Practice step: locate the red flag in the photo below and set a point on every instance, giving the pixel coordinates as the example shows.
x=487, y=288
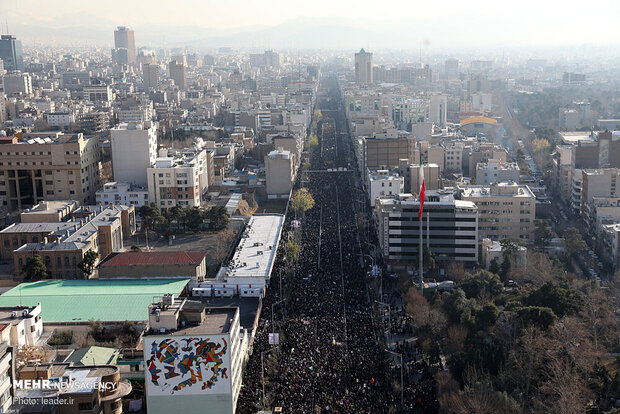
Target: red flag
x=422, y=191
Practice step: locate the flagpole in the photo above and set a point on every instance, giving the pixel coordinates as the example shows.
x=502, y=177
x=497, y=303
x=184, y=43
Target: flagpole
x=428, y=231
x=420, y=254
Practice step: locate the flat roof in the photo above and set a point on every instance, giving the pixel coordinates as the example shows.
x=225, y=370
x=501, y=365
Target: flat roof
x=109, y=300
x=257, y=248
x=40, y=227
x=576, y=136
x=153, y=258
x=217, y=321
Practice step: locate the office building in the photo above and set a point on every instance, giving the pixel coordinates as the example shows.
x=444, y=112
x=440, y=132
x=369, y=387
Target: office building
x=60, y=167
x=453, y=228
x=181, y=179
x=495, y=170
x=568, y=119
x=150, y=76
x=506, y=210
x=124, y=45
x=11, y=53
x=432, y=178
x=75, y=80
x=438, y=110
x=386, y=153
x=383, y=184
x=201, y=350
x=280, y=173
x=134, y=149
x=98, y=93
x=17, y=84
x=363, y=67
x=178, y=73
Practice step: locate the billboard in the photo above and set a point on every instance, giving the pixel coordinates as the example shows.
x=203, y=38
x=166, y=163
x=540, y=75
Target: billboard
x=186, y=365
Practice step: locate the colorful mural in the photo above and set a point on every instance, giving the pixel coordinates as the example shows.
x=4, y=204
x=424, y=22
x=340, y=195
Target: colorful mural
x=187, y=365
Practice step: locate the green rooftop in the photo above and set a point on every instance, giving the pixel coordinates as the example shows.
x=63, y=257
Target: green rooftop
x=93, y=355
x=109, y=300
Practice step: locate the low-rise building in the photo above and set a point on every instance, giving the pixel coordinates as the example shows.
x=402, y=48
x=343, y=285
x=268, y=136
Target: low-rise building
x=493, y=250
x=20, y=325
x=189, y=337
x=122, y=193
x=135, y=265
x=49, y=212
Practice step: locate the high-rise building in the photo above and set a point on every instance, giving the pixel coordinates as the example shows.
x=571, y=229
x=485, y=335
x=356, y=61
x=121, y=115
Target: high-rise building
x=134, y=150
x=280, y=173
x=11, y=53
x=178, y=73
x=452, y=68
x=124, y=46
x=438, y=110
x=363, y=67
x=150, y=76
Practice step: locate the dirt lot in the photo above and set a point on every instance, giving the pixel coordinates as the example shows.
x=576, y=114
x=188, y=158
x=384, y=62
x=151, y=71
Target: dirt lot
x=216, y=244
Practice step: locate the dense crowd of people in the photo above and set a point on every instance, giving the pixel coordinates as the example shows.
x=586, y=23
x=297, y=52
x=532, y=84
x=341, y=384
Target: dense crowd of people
x=328, y=358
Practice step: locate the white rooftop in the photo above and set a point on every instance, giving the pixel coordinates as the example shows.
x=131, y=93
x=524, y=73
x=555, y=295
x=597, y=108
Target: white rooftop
x=256, y=251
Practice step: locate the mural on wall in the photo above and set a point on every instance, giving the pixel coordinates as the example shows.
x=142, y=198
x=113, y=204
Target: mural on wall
x=189, y=365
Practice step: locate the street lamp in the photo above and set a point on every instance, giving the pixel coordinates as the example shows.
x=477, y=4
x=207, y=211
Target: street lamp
x=262, y=370
x=273, y=323
x=389, y=315
x=402, y=384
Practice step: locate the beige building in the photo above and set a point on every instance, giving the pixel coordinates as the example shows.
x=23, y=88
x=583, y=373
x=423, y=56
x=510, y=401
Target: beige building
x=432, y=178
x=599, y=182
x=280, y=173
x=65, y=167
x=101, y=231
x=381, y=153
x=506, y=210
x=49, y=212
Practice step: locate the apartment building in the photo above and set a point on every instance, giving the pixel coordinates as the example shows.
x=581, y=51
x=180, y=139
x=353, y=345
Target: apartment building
x=122, y=193
x=449, y=228
x=134, y=150
x=496, y=170
x=65, y=166
x=181, y=179
x=382, y=183
x=279, y=173
x=381, y=153
x=506, y=210
x=599, y=182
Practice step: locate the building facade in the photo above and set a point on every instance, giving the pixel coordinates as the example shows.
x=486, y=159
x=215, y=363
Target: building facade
x=134, y=149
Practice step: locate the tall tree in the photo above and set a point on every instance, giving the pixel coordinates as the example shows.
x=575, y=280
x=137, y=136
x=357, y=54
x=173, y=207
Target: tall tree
x=87, y=264
x=573, y=242
x=301, y=201
x=34, y=268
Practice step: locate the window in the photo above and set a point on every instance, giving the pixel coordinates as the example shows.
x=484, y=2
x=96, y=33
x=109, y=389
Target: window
x=58, y=262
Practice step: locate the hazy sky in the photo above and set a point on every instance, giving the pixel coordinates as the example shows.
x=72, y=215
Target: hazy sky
x=515, y=22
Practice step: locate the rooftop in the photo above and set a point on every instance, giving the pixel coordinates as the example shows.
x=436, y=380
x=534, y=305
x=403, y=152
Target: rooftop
x=256, y=251
x=40, y=227
x=575, y=137
x=93, y=355
x=216, y=321
x=502, y=189
x=153, y=258
x=109, y=300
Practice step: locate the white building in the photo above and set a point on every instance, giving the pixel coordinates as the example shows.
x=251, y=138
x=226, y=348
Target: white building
x=98, y=93
x=194, y=357
x=482, y=102
x=438, y=110
x=60, y=120
x=493, y=250
x=363, y=68
x=134, y=149
x=17, y=83
x=249, y=271
x=21, y=326
x=383, y=184
x=280, y=173
x=180, y=180
x=122, y=193
x=495, y=170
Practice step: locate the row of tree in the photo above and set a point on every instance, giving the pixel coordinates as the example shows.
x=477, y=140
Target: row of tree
x=189, y=218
